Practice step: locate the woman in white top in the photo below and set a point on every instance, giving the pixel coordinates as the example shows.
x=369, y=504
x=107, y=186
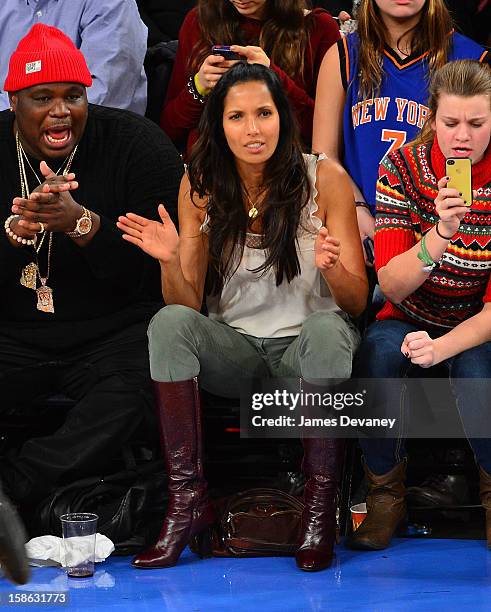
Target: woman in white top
x=268, y=235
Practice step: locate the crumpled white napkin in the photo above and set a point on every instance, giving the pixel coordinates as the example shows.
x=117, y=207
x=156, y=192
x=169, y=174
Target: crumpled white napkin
x=50, y=548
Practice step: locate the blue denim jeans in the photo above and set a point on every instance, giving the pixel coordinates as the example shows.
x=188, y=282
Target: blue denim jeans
x=380, y=356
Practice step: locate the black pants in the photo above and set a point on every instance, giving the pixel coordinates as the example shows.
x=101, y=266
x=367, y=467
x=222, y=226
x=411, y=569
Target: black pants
x=110, y=382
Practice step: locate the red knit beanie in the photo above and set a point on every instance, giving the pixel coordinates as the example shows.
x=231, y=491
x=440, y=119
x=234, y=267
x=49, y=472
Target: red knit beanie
x=46, y=55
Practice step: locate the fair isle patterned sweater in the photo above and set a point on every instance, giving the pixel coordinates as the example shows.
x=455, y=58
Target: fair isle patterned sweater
x=406, y=189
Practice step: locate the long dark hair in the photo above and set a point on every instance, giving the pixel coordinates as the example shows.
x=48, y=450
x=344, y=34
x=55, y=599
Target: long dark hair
x=284, y=35
x=213, y=175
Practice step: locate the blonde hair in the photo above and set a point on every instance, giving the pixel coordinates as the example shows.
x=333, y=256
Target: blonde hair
x=431, y=33
x=465, y=78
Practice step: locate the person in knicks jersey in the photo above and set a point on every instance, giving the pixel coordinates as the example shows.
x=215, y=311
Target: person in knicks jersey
x=372, y=89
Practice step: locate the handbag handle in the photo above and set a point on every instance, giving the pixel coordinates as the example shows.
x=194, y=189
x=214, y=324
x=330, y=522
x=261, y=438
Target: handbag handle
x=261, y=495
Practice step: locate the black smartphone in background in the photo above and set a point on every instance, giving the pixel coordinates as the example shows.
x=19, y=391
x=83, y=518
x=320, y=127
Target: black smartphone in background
x=226, y=52
x=369, y=251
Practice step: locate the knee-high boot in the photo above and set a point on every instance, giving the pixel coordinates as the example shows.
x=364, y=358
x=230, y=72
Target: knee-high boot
x=322, y=462
x=189, y=513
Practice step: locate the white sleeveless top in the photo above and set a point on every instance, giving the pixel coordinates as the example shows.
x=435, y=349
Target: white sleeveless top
x=252, y=304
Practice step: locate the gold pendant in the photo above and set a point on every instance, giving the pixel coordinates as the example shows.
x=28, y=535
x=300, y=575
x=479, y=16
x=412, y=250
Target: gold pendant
x=253, y=213
x=45, y=298
x=28, y=276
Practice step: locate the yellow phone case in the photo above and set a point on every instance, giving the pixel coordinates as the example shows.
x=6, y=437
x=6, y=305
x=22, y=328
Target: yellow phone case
x=460, y=173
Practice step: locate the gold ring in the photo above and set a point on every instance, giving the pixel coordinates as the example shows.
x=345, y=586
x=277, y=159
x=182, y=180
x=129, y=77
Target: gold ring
x=42, y=228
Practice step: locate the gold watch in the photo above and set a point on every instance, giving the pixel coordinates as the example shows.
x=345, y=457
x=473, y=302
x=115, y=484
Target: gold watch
x=83, y=226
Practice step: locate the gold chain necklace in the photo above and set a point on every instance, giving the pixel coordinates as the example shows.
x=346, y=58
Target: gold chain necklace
x=45, y=293
x=31, y=272
x=253, y=211
x=21, y=155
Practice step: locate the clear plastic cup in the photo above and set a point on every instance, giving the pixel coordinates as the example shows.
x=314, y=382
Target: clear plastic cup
x=79, y=531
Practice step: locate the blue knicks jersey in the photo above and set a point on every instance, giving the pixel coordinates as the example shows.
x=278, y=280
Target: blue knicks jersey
x=375, y=126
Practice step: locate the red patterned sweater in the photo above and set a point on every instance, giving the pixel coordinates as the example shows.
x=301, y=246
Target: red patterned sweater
x=406, y=189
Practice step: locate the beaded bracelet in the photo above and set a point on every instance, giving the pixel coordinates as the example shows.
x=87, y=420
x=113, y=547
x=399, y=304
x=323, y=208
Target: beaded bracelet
x=361, y=204
x=19, y=239
x=193, y=91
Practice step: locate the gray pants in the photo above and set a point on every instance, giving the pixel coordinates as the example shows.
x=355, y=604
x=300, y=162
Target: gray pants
x=184, y=344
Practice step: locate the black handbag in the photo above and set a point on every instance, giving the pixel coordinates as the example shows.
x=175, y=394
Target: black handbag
x=257, y=523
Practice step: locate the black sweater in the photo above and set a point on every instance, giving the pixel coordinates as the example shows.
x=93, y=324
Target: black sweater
x=163, y=18
x=123, y=163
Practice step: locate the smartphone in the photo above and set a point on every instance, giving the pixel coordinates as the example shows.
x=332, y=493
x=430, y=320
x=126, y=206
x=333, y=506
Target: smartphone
x=226, y=52
x=460, y=173
x=368, y=246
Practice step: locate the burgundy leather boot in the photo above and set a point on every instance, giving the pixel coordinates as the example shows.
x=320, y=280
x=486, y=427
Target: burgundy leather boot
x=322, y=462
x=189, y=513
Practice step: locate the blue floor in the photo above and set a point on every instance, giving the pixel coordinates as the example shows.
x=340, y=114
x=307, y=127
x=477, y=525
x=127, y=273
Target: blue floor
x=418, y=575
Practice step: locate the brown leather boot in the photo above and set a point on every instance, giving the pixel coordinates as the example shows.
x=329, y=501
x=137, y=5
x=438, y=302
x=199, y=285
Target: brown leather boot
x=189, y=513
x=485, y=492
x=322, y=462
x=386, y=509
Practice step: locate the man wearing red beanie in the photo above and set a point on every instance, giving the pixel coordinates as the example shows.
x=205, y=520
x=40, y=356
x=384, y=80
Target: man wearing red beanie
x=109, y=33
x=76, y=298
